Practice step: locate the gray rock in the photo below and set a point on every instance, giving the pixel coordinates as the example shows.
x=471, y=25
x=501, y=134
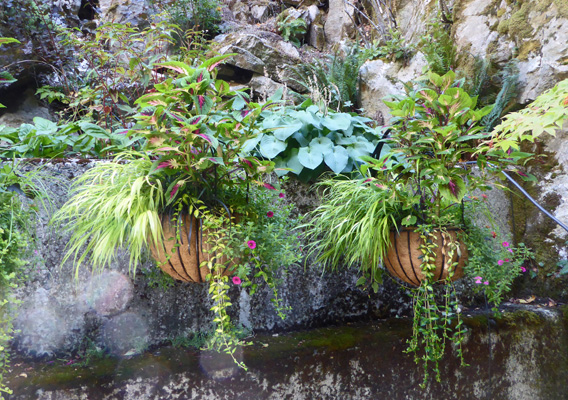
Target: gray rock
x=380, y=79
x=135, y=12
x=263, y=53
x=338, y=25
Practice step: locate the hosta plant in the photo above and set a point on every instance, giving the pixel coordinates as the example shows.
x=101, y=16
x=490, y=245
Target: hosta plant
x=307, y=142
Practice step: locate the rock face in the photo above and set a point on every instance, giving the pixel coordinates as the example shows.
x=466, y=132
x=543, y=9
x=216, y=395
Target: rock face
x=518, y=357
x=339, y=22
x=380, y=79
x=532, y=31
x=263, y=53
x=123, y=314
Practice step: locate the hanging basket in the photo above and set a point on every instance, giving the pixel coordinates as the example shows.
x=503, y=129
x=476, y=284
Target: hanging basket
x=404, y=257
x=186, y=254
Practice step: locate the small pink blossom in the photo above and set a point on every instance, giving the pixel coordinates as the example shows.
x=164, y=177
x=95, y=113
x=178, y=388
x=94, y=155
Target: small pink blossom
x=486, y=283
x=523, y=269
x=484, y=196
x=510, y=250
x=505, y=244
x=251, y=244
x=236, y=280
x=507, y=260
x=500, y=262
x=270, y=214
x=281, y=195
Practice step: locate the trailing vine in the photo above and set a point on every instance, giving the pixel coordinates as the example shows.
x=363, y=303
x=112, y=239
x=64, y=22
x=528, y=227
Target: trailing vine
x=434, y=323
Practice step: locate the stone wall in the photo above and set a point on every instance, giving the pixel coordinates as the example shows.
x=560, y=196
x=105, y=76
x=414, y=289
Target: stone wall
x=520, y=356
x=123, y=313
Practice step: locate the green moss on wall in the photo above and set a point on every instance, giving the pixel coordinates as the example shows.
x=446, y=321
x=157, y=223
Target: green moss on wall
x=527, y=48
x=520, y=21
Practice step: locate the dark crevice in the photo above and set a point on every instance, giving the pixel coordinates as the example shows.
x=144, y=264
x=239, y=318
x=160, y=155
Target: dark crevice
x=88, y=8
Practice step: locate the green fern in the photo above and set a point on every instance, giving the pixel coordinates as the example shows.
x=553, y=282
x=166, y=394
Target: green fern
x=508, y=93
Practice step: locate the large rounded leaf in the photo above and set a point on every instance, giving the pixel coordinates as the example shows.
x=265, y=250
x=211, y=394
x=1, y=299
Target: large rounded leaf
x=294, y=162
x=309, y=157
x=337, y=159
x=339, y=121
x=323, y=145
x=270, y=147
x=283, y=132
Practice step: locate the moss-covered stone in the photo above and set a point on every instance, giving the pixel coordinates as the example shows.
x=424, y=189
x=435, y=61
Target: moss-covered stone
x=527, y=48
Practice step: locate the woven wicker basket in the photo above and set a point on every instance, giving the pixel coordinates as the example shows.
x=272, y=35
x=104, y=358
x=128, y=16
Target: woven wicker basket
x=404, y=257
x=186, y=255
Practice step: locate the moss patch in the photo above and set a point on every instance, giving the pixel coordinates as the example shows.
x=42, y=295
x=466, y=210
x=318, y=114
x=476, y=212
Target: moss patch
x=520, y=21
x=527, y=48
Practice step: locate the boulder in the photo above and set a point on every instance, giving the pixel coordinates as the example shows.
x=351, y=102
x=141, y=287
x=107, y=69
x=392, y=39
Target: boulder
x=380, y=79
x=262, y=53
x=533, y=32
x=135, y=12
x=339, y=24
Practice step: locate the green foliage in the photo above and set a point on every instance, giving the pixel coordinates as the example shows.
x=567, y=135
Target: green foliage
x=15, y=244
x=433, y=322
x=352, y=224
x=393, y=48
x=113, y=205
x=47, y=139
x=438, y=48
x=418, y=182
x=509, y=78
x=306, y=141
x=5, y=76
x=192, y=164
x=335, y=81
x=493, y=262
x=547, y=114
x=290, y=28
x=192, y=15
x=120, y=63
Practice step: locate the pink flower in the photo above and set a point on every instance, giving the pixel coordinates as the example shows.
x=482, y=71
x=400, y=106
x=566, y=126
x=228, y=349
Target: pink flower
x=500, y=262
x=486, y=283
x=523, y=269
x=507, y=260
x=505, y=244
x=510, y=250
x=478, y=280
x=270, y=214
x=251, y=244
x=236, y=280
x=281, y=195
x=484, y=196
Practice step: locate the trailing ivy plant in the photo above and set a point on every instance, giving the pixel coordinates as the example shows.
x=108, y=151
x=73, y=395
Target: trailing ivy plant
x=16, y=244
x=306, y=141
